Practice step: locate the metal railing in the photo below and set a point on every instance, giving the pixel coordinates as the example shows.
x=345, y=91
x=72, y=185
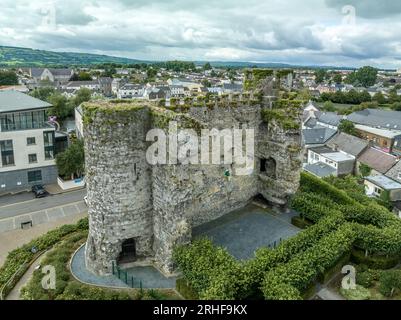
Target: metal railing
x=124, y=276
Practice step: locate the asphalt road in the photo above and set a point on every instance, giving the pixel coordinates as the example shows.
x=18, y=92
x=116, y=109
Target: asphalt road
x=16, y=205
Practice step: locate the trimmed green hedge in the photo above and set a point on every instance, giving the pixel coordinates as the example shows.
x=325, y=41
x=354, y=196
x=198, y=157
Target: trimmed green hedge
x=375, y=261
x=342, y=222
x=301, y=223
x=303, y=269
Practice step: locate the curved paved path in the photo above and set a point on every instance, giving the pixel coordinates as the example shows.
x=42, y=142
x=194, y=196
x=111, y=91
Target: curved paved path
x=150, y=277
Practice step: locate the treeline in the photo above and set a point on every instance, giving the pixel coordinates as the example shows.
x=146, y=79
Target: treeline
x=8, y=78
x=351, y=97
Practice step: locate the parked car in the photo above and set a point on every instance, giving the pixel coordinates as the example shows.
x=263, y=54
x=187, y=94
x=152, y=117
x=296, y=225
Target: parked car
x=39, y=191
x=86, y=200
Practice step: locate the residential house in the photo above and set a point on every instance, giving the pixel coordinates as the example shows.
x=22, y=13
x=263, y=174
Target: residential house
x=382, y=186
x=376, y=118
x=92, y=85
x=349, y=144
x=395, y=172
x=27, y=142
x=117, y=83
x=51, y=75
x=131, y=91
x=106, y=86
x=316, y=137
x=329, y=120
x=324, y=162
x=381, y=138
x=378, y=161
x=177, y=91
x=232, y=88
x=156, y=93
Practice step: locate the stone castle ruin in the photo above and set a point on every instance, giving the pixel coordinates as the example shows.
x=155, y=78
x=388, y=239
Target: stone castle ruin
x=141, y=211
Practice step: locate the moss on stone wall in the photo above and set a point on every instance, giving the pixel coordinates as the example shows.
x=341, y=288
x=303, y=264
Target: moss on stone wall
x=110, y=110
x=285, y=113
x=162, y=117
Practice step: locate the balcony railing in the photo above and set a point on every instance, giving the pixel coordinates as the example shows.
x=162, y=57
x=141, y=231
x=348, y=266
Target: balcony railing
x=24, y=126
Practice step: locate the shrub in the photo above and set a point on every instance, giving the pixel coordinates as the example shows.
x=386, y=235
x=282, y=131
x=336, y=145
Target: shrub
x=366, y=278
x=359, y=293
x=389, y=282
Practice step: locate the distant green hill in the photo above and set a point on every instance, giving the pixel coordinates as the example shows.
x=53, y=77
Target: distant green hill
x=25, y=57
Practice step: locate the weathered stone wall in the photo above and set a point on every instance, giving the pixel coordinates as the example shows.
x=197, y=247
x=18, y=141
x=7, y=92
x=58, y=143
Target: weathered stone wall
x=118, y=184
x=159, y=205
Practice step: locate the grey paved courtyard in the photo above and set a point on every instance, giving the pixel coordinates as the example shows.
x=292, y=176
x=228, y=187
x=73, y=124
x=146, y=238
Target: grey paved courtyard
x=243, y=231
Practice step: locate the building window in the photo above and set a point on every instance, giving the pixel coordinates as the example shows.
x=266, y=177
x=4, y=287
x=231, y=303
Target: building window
x=49, y=144
x=30, y=141
x=378, y=190
x=33, y=158
x=35, y=176
x=7, y=153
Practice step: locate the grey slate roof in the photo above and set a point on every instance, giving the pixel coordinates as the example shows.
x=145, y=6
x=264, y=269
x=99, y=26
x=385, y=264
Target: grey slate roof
x=317, y=135
x=330, y=118
x=320, y=169
x=395, y=172
x=310, y=123
x=377, y=160
x=348, y=144
x=12, y=101
x=377, y=118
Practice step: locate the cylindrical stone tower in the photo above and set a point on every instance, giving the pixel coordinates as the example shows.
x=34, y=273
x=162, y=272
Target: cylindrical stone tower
x=118, y=181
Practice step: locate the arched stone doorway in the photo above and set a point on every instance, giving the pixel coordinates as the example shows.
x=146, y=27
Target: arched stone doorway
x=128, y=251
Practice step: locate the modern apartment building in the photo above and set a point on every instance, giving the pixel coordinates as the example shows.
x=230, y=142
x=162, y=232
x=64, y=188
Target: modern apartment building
x=27, y=142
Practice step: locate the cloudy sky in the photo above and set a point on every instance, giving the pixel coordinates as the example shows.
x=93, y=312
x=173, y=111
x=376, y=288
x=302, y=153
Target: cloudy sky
x=309, y=32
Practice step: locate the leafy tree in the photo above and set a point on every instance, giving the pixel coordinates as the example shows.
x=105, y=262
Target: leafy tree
x=81, y=96
x=337, y=78
x=380, y=98
x=320, y=75
x=8, y=78
x=304, y=94
x=207, y=66
x=397, y=106
x=206, y=83
x=367, y=76
x=61, y=109
x=71, y=162
x=329, y=106
x=348, y=127
x=43, y=93
x=84, y=76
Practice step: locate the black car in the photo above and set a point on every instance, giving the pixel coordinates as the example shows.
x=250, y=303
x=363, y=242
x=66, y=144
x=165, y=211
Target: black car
x=39, y=191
